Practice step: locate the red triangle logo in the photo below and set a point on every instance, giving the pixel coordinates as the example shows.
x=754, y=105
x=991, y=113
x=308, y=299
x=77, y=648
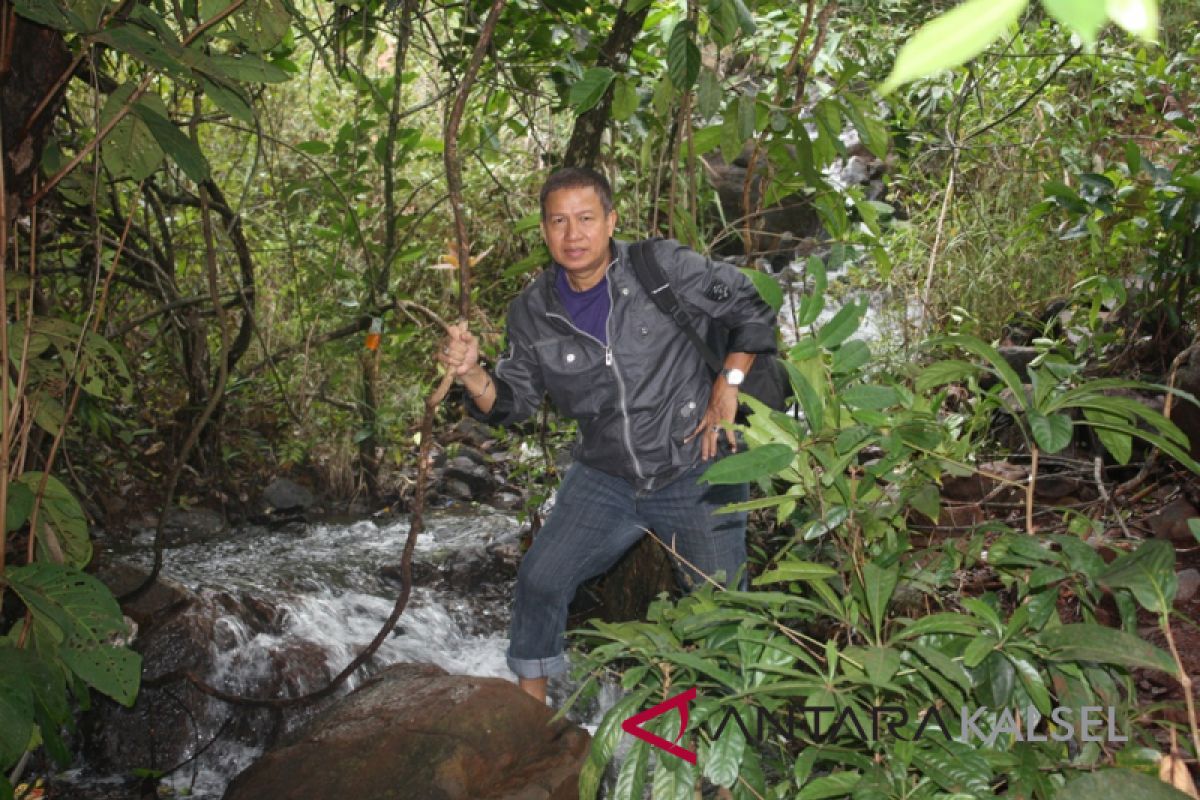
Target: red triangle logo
x=633, y=725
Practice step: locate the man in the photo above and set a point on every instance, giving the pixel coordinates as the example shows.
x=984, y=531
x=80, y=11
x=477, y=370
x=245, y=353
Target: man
x=650, y=413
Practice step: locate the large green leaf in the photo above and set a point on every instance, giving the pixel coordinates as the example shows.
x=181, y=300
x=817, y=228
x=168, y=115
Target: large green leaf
x=588, y=90
x=16, y=704
x=952, y=38
x=942, y=372
x=869, y=396
x=146, y=48
x=604, y=742
x=709, y=94
x=67, y=539
x=130, y=149
x=80, y=606
x=625, y=98
x=631, y=780
x=683, y=56
x=768, y=288
x=1052, y=432
x=20, y=503
x=878, y=585
x=843, y=325
x=1085, y=17
x=113, y=670
x=1086, y=642
x=182, y=150
x=725, y=757
x=1148, y=572
x=755, y=463
x=247, y=68
x=791, y=569
x=1118, y=784
x=839, y=784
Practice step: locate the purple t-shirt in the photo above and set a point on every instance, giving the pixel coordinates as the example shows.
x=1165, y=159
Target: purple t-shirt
x=587, y=309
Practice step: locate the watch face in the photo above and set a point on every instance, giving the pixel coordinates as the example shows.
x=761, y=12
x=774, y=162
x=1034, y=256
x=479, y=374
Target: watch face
x=734, y=377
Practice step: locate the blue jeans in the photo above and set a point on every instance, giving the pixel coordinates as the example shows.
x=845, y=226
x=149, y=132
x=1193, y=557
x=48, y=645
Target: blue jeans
x=596, y=518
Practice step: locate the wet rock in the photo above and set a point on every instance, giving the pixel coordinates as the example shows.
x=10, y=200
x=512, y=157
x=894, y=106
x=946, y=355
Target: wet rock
x=1187, y=415
x=1189, y=585
x=508, y=501
x=625, y=592
x=193, y=525
x=163, y=597
x=414, y=731
x=456, y=490
x=478, y=479
x=472, y=432
x=1171, y=522
x=282, y=494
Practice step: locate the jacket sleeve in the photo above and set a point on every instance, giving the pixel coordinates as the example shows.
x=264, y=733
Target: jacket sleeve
x=721, y=291
x=517, y=375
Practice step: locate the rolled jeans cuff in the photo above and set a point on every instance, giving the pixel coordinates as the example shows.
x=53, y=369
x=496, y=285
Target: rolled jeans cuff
x=538, y=667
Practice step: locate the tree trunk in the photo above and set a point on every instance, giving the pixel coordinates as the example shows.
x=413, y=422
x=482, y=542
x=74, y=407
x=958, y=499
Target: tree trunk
x=33, y=59
x=584, y=147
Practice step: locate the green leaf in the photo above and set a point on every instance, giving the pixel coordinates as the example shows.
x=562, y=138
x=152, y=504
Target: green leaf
x=942, y=372
x=1118, y=783
x=229, y=100
x=878, y=585
x=744, y=17
x=314, y=147
x=1086, y=642
x=755, y=463
x=1148, y=572
x=1194, y=527
x=843, y=325
x=833, y=517
x=625, y=98
x=631, y=780
x=795, y=570
x=588, y=90
x=1119, y=445
x=115, y=671
x=1139, y=17
x=130, y=149
x=747, y=116
x=839, y=784
x=1085, y=17
x=869, y=396
x=16, y=703
x=145, y=48
x=247, y=68
x=182, y=150
x=942, y=622
x=76, y=603
x=20, y=503
x=725, y=757
x=1007, y=374
x=259, y=24
x=768, y=288
x=63, y=515
x=928, y=501
x=952, y=38
x=709, y=93
x=52, y=15
x=1052, y=433
x=604, y=742
x=683, y=56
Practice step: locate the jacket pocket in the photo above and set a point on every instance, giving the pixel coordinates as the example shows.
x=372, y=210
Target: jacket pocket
x=577, y=380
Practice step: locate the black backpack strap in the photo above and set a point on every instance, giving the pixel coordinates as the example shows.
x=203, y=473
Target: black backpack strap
x=654, y=280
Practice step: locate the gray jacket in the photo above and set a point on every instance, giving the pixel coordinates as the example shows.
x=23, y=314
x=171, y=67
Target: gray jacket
x=637, y=399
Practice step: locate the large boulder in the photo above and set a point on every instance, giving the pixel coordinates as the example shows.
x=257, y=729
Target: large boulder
x=414, y=731
x=1187, y=415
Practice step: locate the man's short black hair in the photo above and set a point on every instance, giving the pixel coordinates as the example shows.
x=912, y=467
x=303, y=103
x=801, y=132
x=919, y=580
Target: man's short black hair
x=578, y=178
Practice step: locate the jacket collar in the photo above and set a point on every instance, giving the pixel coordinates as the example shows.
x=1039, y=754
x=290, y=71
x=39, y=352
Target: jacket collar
x=618, y=251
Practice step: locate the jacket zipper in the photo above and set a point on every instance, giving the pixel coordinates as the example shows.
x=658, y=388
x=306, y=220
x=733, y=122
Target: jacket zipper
x=609, y=361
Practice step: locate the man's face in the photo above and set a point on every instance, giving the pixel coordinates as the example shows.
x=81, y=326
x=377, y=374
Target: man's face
x=577, y=230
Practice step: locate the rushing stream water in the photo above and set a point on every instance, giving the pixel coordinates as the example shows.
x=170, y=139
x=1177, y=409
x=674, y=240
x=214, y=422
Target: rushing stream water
x=327, y=584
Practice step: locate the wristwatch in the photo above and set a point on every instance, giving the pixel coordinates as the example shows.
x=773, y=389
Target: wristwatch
x=734, y=377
